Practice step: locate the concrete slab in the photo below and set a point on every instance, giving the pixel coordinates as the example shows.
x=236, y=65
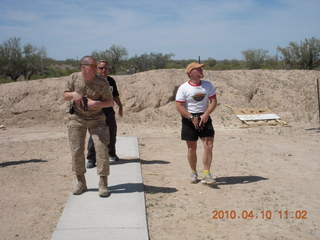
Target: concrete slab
x=122, y=215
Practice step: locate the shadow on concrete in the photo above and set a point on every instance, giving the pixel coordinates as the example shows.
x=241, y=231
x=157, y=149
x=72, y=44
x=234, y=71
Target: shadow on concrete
x=136, y=187
x=13, y=163
x=123, y=161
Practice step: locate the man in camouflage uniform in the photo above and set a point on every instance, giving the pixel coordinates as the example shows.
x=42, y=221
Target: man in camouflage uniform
x=88, y=116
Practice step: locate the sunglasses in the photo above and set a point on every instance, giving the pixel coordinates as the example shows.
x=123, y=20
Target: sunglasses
x=103, y=68
x=92, y=65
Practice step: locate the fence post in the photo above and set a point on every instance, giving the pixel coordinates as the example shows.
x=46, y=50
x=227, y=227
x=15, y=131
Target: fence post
x=318, y=98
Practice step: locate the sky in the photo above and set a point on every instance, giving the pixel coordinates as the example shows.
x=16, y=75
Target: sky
x=219, y=29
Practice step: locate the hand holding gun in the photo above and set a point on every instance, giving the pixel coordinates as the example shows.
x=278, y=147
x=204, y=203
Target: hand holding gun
x=84, y=104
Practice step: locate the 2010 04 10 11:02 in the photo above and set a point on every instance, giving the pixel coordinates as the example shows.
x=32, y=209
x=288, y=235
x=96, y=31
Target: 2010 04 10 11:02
x=267, y=214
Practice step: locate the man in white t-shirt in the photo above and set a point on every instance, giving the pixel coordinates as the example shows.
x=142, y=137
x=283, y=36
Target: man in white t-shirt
x=195, y=101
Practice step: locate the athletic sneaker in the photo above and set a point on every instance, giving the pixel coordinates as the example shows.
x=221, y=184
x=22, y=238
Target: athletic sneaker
x=208, y=179
x=194, y=177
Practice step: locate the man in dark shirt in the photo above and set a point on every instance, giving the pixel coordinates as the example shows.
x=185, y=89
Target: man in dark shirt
x=109, y=112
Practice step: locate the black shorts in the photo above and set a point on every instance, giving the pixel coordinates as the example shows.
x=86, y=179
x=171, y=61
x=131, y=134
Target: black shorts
x=190, y=133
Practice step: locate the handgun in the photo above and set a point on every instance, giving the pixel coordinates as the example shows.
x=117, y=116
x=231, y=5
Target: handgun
x=85, y=103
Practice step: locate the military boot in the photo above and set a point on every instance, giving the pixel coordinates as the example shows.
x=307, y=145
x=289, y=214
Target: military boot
x=103, y=183
x=80, y=186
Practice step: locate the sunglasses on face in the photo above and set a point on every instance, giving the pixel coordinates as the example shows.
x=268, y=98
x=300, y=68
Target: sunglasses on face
x=103, y=68
x=92, y=65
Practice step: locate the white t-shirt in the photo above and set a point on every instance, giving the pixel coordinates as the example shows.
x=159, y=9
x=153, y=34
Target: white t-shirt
x=195, y=97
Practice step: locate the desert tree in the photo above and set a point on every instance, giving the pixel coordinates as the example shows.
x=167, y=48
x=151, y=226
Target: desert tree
x=210, y=63
x=16, y=60
x=305, y=55
x=159, y=60
x=255, y=58
x=141, y=63
x=149, y=61
x=11, y=58
x=34, y=61
x=115, y=55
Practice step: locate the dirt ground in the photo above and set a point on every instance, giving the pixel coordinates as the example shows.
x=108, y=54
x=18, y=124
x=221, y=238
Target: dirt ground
x=268, y=176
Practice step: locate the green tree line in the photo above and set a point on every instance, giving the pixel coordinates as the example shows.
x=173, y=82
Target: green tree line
x=27, y=62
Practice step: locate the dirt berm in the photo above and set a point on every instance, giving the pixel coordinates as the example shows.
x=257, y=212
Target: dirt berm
x=149, y=96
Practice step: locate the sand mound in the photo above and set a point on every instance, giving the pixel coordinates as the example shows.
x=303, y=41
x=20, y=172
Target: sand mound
x=149, y=96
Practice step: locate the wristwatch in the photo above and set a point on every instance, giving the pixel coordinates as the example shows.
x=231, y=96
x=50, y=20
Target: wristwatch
x=191, y=117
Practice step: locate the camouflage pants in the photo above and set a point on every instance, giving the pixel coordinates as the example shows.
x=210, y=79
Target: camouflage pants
x=99, y=132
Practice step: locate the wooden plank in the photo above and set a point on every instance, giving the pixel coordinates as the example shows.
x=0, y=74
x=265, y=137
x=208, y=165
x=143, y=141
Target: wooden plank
x=258, y=117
